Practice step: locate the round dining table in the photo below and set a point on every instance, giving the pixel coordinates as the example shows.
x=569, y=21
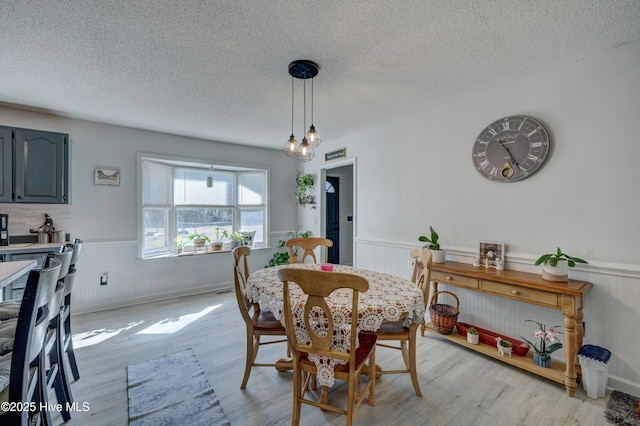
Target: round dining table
x=388, y=299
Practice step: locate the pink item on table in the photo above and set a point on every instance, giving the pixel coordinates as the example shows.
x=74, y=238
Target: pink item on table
x=326, y=267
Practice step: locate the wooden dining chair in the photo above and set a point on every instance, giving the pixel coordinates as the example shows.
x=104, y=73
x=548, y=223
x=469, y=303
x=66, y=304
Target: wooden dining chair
x=258, y=322
x=318, y=324
x=23, y=370
x=406, y=336
x=68, y=356
x=415, y=254
x=308, y=245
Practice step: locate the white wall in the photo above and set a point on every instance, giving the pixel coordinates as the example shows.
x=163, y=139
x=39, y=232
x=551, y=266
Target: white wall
x=418, y=172
x=105, y=217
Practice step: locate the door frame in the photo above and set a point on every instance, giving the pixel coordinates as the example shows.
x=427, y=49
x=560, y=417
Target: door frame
x=323, y=198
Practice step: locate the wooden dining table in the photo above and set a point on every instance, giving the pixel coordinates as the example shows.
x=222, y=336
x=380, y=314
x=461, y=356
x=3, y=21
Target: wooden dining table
x=389, y=298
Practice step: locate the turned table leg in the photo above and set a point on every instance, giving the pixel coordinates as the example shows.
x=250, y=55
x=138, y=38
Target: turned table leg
x=569, y=312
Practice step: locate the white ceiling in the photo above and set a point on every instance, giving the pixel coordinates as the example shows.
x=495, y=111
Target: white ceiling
x=218, y=69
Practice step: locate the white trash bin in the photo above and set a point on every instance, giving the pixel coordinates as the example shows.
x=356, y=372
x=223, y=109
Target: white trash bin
x=593, y=360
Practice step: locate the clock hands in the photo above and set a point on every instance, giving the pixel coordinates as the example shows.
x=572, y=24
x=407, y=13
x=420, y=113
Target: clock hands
x=510, y=155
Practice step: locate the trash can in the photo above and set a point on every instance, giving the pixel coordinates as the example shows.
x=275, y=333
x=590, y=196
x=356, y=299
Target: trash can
x=593, y=360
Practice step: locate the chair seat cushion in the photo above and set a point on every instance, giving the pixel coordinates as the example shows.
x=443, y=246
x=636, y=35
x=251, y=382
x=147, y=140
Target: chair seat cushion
x=394, y=327
x=367, y=341
x=9, y=309
x=264, y=320
x=5, y=371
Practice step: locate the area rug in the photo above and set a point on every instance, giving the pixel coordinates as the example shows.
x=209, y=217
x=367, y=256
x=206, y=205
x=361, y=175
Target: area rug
x=622, y=409
x=172, y=390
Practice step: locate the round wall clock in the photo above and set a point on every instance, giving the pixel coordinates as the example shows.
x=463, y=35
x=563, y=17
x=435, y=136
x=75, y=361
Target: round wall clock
x=510, y=149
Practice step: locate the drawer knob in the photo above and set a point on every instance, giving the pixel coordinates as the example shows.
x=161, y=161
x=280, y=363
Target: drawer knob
x=449, y=278
x=515, y=292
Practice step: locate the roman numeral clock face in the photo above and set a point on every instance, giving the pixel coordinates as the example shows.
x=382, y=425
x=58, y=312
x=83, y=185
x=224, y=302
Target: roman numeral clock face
x=511, y=149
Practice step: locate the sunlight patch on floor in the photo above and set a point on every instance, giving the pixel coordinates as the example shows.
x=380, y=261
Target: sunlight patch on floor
x=93, y=337
x=173, y=324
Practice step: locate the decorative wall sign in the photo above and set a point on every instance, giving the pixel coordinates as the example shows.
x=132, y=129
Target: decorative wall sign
x=107, y=176
x=490, y=252
x=340, y=153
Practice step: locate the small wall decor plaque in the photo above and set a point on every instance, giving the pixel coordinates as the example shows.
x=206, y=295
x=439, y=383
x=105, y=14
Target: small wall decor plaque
x=490, y=252
x=107, y=176
x=340, y=153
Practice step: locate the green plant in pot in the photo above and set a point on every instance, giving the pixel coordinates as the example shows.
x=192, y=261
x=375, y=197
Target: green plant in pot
x=555, y=266
x=199, y=239
x=473, y=336
x=219, y=234
x=437, y=255
x=236, y=239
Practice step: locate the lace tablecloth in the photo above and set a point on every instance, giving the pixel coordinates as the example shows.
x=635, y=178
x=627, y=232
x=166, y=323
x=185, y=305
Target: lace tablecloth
x=389, y=298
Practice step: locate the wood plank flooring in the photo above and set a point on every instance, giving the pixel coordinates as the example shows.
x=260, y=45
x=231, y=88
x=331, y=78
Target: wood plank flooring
x=459, y=387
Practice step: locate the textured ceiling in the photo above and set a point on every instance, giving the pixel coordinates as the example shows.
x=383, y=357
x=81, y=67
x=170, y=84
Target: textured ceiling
x=218, y=69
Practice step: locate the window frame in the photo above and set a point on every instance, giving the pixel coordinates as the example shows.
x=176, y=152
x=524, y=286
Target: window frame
x=177, y=162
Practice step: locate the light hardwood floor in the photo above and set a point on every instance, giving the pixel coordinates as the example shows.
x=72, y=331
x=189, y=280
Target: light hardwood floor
x=459, y=387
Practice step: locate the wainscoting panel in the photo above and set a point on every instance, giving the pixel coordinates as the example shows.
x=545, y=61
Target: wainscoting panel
x=611, y=312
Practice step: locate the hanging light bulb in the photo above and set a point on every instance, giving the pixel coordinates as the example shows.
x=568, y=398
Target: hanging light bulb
x=305, y=153
x=312, y=136
x=291, y=147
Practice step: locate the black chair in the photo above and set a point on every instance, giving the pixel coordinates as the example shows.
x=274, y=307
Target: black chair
x=27, y=369
x=67, y=353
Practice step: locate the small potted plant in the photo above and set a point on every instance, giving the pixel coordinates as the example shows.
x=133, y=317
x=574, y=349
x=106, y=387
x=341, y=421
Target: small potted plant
x=504, y=346
x=236, y=239
x=180, y=242
x=547, y=344
x=555, y=266
x=218, y=235
x=199, y=239
x=437, y=255
x=473, y=336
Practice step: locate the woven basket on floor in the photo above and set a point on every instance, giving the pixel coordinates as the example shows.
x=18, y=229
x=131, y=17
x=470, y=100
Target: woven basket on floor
x=444, y=317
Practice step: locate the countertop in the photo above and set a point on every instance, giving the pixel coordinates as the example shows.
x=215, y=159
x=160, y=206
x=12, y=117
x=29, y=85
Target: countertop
x=29, y=247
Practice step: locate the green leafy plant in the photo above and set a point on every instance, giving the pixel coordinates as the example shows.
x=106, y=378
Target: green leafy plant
x=180, y=242
x=432, y=242
x=304, y=182
x=472, y=330
x=282, y=257
x=553, y=259
x=219, y=233
x=199, y=236
x=236, y=236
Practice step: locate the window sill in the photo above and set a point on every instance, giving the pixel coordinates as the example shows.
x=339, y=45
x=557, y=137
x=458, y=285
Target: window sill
x=200, y=252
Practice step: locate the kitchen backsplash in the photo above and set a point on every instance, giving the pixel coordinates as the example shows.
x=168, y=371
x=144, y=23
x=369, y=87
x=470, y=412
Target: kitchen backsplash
x=23, y=217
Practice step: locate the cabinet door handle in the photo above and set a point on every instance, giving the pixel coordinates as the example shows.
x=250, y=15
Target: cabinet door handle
x=515, y=292
x=449, y=278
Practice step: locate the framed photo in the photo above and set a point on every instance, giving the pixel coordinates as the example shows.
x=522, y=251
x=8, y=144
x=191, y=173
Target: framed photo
x=491, y=252
x=107, y=176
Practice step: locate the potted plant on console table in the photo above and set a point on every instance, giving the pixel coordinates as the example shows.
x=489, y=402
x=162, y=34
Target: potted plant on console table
x=555, y=266
x=437, y=255
x=548, y=343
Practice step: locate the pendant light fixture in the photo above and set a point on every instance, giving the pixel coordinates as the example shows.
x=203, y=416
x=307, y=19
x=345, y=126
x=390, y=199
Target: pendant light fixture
x=210, y=178
x=302, y=69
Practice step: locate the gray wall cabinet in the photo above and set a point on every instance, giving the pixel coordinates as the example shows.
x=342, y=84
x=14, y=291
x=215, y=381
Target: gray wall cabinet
x=35, y=166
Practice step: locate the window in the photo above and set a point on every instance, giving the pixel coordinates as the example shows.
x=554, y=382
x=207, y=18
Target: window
x=180, y=198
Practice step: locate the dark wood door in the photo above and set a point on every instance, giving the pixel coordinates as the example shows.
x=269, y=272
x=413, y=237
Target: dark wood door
x=333, y=217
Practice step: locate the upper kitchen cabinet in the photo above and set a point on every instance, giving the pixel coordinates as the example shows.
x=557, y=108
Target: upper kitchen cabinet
x=36, y=168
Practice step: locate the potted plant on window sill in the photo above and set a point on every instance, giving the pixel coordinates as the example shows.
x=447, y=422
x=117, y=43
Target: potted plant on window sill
x=437, y=255
x=555, y=266
x=199, y=240
x=180, y=242
x=236, y=239
x=219, y=234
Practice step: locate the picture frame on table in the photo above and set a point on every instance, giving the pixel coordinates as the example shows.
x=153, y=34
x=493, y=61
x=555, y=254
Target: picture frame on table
x=490, y=251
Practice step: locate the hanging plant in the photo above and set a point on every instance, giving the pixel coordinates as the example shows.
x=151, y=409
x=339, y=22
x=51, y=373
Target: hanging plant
x=304, y=183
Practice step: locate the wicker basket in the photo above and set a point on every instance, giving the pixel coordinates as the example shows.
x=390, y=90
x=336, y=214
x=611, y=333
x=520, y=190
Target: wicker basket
x=444, y=317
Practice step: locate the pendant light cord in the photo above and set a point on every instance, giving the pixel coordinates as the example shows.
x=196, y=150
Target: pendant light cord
x=292, y=105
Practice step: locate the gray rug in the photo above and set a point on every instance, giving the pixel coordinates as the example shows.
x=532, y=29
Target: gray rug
x=622, y=409
x=172, y=390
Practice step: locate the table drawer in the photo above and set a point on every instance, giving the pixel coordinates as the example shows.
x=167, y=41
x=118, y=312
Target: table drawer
x=537, y=297
x=454, y=279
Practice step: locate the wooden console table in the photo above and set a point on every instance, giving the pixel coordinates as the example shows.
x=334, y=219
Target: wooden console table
x=524, y=287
